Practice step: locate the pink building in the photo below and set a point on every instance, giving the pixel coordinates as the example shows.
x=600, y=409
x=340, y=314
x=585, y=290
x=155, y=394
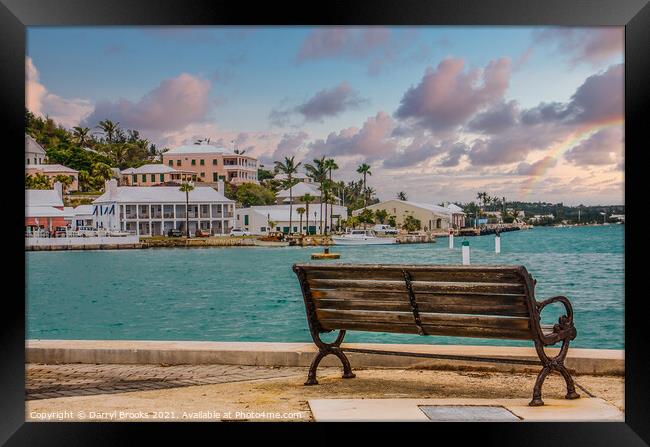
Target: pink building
x=211, y=163
x=154, y=174
x=52, y=171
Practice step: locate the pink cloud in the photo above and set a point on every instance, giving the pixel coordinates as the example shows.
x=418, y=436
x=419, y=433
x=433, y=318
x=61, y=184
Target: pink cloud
x=448, y=96
x=375, y=46
x=172, y=105
x=65, y=111
x=373, y=140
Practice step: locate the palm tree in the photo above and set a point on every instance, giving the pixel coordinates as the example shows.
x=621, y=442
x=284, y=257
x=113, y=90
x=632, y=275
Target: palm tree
x=110, y=129
x=330, y=165
x=402, y=196
x=186, y=187
x=301, y=211
x=65, y=181
x=307, y=199
x=318, y=173
x=364, y=169
x=81, y=135
x=289, y=167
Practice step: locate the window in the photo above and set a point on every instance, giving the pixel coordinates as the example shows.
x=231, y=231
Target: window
x=246, y=219
x=144, y=178
x=263, y=229
x=203, y=174
x=193, y=162
x=135, y=179
x=178, y=162
x=202, y=162
x=162, y=178
x=214, y=162
x=153, y=178
x=171, y=162
x=215, y=177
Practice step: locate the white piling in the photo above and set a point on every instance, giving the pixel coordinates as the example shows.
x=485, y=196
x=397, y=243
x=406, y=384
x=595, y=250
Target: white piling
x=497, y=243
x=465, y=250
x=451, y=239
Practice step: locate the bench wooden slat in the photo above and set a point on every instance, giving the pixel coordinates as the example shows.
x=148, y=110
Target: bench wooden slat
x=403, y=306
x=505, y=323
x=343, y=294
x=369, y=285
x=435, y=305
x=451, y=331
x=418, y=273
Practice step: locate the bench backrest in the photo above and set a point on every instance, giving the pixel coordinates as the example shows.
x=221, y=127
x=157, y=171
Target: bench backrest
x=465, y=301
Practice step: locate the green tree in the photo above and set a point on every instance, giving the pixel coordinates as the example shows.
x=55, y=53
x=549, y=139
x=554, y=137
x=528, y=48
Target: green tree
x=65, y=181
x=364, y=170
x=186, y=187
x=251, y=194
x=330, y=165
x=81, y=135
x=37, y=181
x=300, y=210
x=411, y=223
x=110, y=129
x=307, y=199
x=381, y=216
x=366, y=217
x=289, y=167
x=318, y=173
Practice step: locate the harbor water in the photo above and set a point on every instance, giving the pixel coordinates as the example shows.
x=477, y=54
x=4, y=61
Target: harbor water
x=251, y=293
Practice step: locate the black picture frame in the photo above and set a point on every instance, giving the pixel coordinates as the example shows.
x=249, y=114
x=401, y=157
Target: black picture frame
x=16, y=15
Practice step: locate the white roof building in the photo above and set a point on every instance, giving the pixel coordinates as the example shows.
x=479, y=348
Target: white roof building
x=43, y=197
x=34, y=152
x=256, y=218
x=51, y=169
x=432, y=217
x=154, y=210
x=300, y=189
x=160, y=194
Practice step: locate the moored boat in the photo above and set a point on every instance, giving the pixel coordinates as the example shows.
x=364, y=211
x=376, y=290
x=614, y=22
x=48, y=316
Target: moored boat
x=362, y=237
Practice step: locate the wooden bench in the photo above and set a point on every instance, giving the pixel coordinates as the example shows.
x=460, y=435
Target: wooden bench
x=463, y=301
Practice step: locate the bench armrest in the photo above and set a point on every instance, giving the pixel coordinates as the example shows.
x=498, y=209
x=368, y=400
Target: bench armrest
x=564, y=328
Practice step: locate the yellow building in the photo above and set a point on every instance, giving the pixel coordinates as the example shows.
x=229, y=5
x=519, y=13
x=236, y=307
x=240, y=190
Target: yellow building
x=432, y=217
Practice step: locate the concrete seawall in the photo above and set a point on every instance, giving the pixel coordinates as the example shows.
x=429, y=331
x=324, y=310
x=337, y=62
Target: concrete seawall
x=581, y=361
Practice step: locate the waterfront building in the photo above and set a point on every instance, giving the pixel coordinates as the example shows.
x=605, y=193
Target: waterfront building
x=81, y=216
x=432, y=217
x=36, y=163
x=297, y=191
x=212, y=163
x=154, y=210
x=44, y=208
x=53, y=171
x=154, y=174
x=34, y=152
x=255, y=219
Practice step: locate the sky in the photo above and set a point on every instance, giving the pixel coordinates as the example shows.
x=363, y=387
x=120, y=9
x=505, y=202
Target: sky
x=440, y=113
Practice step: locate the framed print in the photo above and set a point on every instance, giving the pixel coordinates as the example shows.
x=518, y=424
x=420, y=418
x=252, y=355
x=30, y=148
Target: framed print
x=380, y=212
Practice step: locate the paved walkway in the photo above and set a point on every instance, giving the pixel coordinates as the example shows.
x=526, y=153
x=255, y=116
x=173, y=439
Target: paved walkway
x=49, y=381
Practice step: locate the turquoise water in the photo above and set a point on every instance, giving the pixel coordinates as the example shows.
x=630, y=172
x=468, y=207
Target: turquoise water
x=251, y=294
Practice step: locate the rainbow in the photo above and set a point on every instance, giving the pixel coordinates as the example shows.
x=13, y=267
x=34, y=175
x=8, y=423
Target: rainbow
x=554, y=152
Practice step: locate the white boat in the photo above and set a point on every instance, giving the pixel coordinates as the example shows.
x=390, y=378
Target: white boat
x=362, y=237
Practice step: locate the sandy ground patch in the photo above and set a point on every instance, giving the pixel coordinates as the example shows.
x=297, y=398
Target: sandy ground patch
x=286, y=398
